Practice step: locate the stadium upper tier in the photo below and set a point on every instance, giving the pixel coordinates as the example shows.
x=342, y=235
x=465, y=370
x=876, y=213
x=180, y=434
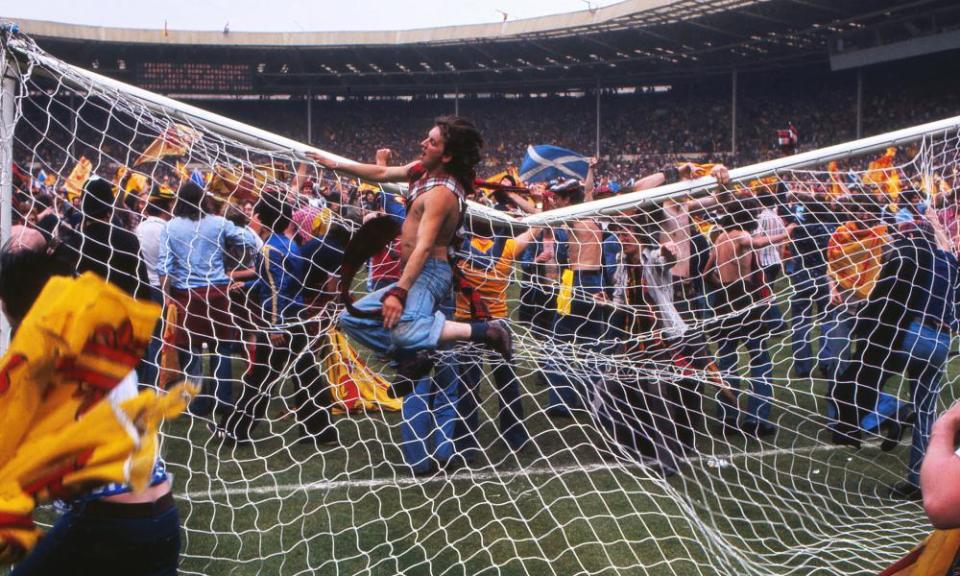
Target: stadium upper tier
x=635, y=41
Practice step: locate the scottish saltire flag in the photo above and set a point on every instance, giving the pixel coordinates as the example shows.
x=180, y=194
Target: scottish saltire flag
x=544, y=162
x=197, y=178
x=393, y=204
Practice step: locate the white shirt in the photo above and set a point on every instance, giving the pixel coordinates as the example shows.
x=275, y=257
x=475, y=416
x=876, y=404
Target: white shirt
x=148, y=232
x=658, y=281
x=769, y=224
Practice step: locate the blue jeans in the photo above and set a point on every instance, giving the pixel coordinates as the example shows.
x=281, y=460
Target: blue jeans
x=430, y=418
x=219, y=386
x=810, y=297
x=149, y=368
x=927, y=349
x=583, y=327
x=84, y=544
x=421, y=323
x=834, y=355
x=431, y=408
x=511, y=405
x=834, y=360
x=761, y=369
x=774, y=313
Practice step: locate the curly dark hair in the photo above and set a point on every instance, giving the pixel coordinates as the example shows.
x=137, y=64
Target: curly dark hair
x=462, y=142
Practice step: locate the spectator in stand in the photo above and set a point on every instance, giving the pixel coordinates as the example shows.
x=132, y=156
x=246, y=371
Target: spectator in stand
x=194, y=279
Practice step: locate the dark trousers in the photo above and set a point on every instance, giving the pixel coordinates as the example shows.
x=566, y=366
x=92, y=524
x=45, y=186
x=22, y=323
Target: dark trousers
x=511, y=413
x=638, y=414
x=271, y=363
x=84, y=544
x=149, y=368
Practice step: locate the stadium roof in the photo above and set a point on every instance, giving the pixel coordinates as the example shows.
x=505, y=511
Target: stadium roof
x=632, y=42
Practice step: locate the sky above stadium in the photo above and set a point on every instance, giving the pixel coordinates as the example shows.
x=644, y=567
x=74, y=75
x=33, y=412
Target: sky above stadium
x=289, y=15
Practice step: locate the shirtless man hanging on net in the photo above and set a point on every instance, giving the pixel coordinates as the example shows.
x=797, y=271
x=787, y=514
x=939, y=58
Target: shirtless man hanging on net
x=411, y=323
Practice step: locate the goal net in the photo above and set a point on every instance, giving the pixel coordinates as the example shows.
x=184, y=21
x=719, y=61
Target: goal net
x=692, y=369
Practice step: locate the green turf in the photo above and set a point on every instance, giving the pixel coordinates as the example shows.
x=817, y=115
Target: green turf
x=248, y=512
x=798, y=508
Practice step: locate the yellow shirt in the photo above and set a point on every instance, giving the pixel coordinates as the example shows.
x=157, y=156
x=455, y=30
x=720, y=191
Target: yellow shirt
x=490, y=285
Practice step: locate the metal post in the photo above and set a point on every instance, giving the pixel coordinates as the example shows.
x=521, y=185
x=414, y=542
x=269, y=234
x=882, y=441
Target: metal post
x=859, y=102
x=596, y=152
x=7, y=104
x=733, y=113
x=310, y=117
x=456, y=100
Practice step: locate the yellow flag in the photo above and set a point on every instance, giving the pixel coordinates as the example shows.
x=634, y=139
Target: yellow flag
x=355, y=385
x=137, y=183
x=854, y=256
x=882, y=174
x=78, y=177
x=836, y=189
x=176, y=140
x=565, y=297
x=80, y=339
x=181, y=169
x=496, y=178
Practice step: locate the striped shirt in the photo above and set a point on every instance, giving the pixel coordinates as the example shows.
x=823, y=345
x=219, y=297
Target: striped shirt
x=769, y=224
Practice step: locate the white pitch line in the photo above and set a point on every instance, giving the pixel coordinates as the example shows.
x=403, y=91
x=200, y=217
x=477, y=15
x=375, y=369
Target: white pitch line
x=466, y=474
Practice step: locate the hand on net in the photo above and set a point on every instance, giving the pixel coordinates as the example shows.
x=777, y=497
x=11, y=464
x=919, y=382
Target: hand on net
x=721, y=173
x=323, y=160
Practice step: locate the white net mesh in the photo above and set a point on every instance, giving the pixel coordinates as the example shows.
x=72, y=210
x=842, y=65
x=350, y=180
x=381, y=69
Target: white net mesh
x=668, y=409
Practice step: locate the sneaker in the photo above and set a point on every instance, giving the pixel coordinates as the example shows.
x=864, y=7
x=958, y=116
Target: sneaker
x=758, y=429
x=225, y=437
x=851, y=439
x=894, y=432
x=906, y=491
x=410, y=371
x=499, y=338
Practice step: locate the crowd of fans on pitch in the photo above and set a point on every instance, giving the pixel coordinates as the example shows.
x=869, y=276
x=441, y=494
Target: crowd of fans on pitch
x=679, y=284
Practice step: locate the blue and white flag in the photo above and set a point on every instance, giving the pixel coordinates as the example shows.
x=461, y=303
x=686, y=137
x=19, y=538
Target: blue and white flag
x=197, y=178
x=544, y=163
x=40, y=182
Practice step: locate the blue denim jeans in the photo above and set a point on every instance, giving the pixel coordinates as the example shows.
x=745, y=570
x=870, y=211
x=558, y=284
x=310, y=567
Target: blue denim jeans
x=810, y=298
x=149, y=368
x=926, y=349
x=774, y=313
x=761, y=369
x=834, y=354
x=219, y=386
x=834, y=360
x=430, y=418
x=83, y=544
x=430, y=410
x=511, y=407
x=421, y=323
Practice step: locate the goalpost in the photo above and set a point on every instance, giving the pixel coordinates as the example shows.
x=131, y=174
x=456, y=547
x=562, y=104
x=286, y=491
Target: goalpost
x=587, y=492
